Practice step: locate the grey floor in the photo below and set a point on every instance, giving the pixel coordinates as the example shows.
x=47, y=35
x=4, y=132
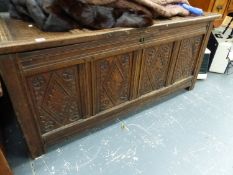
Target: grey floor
x=190, y=133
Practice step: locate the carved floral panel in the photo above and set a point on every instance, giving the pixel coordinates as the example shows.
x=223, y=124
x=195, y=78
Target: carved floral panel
x=113, y=77
x=56, y=98
x=187, y=57
x=154, y=71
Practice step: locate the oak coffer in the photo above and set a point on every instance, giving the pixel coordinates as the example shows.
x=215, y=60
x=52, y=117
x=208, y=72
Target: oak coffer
x=63, y=83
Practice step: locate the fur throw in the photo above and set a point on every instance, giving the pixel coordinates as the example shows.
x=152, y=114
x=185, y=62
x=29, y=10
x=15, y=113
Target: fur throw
x=64, y=15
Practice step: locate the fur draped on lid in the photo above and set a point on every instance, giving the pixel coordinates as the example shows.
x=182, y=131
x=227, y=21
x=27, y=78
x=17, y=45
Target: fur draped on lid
x=64, y=15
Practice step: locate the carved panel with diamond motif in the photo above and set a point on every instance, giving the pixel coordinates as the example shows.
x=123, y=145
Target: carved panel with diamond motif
x=155, y=68
x=113, y=77
x=56, y=98
x=187, y=57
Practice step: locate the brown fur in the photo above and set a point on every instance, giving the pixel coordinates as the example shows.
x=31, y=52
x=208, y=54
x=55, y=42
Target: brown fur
x=100, y=17
x=63, y=15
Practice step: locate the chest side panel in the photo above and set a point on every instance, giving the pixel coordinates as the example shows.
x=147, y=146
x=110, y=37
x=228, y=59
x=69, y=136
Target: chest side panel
x=187, y=57
x=155, y=64
x=112, y=76
x=56, y=97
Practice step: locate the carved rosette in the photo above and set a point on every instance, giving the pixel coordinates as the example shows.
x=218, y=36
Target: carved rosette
x=155, y=68
x=56, y=98
x=188, y=53
x=113, y=80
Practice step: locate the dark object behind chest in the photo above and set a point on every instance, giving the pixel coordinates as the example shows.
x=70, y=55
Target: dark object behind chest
x=4, y=5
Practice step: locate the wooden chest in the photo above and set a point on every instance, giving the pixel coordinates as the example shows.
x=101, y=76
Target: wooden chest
x=63, y=83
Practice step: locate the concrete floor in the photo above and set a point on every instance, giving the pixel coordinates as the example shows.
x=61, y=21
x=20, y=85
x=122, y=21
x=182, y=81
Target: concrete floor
x=190, y=133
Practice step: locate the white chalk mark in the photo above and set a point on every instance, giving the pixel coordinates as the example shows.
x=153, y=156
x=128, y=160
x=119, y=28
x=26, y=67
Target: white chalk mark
x=67, y=165
x=152, y=141
x=175, y=151
x=105, y=142
x=138, y=171
x=77, y=167
x=92, y=159
x=51, y=173
x=177, y=122
x=114, y=153
x=129, y=157
x=141, y=128
x=59, y=150
x=32, y=168
x=115, y=158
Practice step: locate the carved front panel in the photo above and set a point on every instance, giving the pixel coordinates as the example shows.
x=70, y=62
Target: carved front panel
x=56, y=98
x=113, y=77
x=155, y=68
x=187, y=57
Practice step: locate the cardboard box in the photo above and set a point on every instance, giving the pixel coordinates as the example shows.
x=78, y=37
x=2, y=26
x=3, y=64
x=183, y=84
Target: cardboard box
x=220, y=48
